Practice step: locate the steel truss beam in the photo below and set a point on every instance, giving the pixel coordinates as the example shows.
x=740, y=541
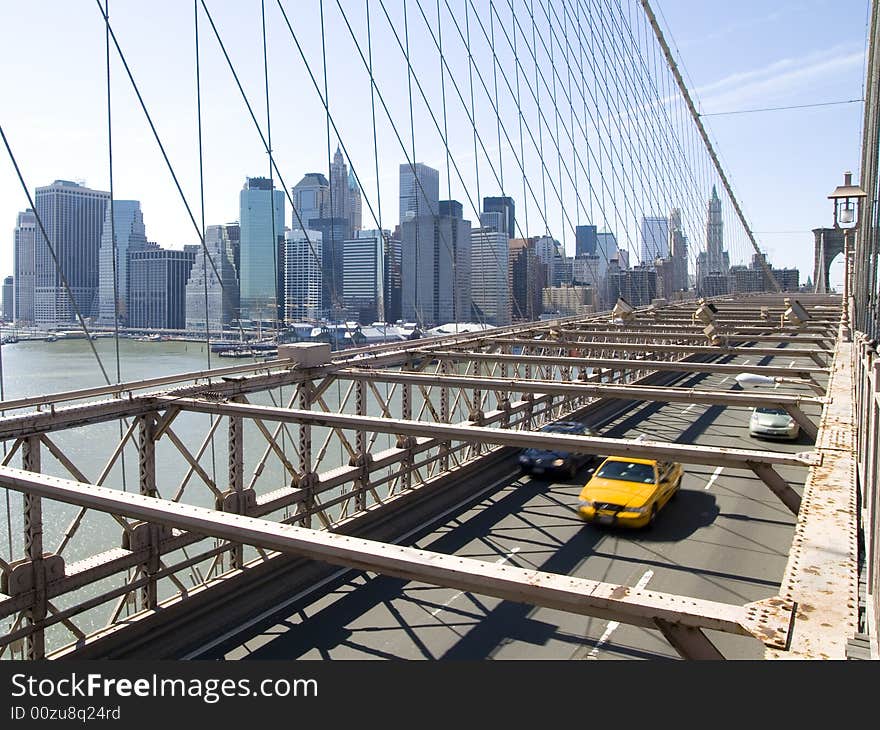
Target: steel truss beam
x=624, y=364
x=813, y=353
x=791, y=403
x=679, y=618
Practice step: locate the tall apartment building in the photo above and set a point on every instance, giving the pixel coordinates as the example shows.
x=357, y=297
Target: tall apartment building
x=23, y=246
x=73, y=218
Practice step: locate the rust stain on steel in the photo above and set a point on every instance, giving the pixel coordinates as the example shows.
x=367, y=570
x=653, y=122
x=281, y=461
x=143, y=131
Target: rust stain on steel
x=620, y=592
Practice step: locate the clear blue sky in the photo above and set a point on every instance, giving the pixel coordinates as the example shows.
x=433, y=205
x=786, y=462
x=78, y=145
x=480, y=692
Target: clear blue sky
x=737, y=56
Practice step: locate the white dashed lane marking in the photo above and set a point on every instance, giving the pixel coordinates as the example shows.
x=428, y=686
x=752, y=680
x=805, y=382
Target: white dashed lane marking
x=612, y=625
x=714, y=476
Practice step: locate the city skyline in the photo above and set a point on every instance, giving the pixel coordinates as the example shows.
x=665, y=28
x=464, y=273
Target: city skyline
x=40, y=143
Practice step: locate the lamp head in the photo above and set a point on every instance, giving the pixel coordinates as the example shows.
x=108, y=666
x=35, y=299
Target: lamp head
x=846, y=199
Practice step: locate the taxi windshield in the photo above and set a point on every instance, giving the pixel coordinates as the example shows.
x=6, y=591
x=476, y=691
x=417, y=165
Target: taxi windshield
x=627, y=471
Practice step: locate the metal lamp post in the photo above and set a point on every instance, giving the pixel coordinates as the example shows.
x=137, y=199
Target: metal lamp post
x=847, y=199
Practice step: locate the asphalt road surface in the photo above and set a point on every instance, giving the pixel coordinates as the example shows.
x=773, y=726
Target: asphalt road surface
x=725, y=537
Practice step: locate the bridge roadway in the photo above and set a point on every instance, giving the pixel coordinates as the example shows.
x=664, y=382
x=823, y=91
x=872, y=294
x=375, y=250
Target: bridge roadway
x=726, y=537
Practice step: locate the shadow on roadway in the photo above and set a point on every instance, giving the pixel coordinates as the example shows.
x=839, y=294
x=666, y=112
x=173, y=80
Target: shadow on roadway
x=488, y=629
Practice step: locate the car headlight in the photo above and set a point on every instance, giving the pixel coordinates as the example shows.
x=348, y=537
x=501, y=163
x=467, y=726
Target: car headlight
x=585, y=503
x=638, y=510
x=523, y=459
x=558, y=462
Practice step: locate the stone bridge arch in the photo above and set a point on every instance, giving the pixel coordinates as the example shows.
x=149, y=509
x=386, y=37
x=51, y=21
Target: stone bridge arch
x=829, y=243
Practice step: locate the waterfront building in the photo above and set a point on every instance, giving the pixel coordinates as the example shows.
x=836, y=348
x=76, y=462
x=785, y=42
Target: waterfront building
x=73, y=218
x=261, y=220
x=23, y=243
x=6, y=299
x=586, y=240
x=157, y=287
x=311, y=200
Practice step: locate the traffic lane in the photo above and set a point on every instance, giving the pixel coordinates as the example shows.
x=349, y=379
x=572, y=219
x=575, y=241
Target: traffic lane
x=740, y=550
x=532, y=524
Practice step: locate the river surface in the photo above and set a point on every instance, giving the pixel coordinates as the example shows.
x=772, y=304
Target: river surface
x=34, y=368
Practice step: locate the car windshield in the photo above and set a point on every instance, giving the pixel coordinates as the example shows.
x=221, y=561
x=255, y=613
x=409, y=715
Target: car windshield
x=627, y=471
x=772, y=411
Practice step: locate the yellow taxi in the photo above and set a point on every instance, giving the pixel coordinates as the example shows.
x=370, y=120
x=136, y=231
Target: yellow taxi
x=629, y=492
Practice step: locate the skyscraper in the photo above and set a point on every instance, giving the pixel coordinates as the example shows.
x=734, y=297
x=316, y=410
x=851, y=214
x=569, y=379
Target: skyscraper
x=435, y=269
x=157, y=287
x=655, y=238
x=214, y=276
x=73, y=216
x=606, y=246
x=6, y=298
x=364, y=275
x=311, y=199
x=419, y=191
x=714, y=260
x=679, y=250
x=717, y=259
x=490, y=291
x=128, y=225
x=527, y=275
x=547, y=251
x=262, y=228
x=24, y=240
x=355, y=203
x=586, y=240
x=303, y=286
x=505, y=206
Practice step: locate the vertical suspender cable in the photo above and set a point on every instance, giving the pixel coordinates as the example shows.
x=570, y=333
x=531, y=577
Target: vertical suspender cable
x=113, y=249
x=202, y=218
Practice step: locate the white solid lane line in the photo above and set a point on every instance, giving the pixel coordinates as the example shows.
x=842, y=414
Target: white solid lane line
x=500, y=561
x=714, y=476
x=612, y=625
x=726, y=379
